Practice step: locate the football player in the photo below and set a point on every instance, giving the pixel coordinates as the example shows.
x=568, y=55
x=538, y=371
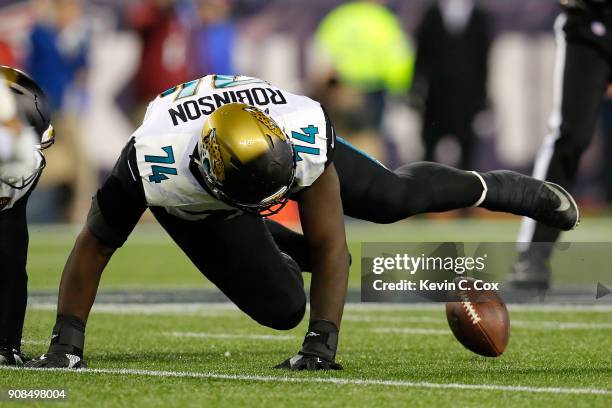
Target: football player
x=213, y=156
x=25, y=130
x=583, y=70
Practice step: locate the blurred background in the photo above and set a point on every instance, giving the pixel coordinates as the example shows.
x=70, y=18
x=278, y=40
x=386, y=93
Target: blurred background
x=456, y=81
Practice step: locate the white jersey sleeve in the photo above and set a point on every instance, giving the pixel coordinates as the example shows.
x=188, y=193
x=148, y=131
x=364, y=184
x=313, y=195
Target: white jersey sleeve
x=305, y=122
x=169, y=133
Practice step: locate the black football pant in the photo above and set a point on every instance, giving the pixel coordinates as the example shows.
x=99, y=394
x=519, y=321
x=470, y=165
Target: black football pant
x=582, y=70
x=241, y=258
x=13, y=276
x=374, y=193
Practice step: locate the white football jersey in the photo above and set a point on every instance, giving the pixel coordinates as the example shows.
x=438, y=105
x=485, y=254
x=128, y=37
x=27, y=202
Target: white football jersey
x=173, y=122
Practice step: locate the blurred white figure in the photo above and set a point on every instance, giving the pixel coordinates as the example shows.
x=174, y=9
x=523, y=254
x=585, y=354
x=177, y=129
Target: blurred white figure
x=25, y=130
x=19, y=160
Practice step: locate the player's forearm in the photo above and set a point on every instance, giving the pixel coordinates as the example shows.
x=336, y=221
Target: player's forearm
x=329, y=283
x=82, y=274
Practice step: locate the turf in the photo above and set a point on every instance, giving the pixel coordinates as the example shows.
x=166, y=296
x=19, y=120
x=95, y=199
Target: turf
x=542, y=353
x=150, y=260
x=555, y=349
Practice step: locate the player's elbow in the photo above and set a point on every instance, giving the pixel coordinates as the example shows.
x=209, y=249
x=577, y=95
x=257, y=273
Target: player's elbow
x=87, y=239
x=344, y=255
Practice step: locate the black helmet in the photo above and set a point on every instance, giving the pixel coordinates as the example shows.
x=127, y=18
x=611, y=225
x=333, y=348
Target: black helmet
x=31, y=102
x=246, y=159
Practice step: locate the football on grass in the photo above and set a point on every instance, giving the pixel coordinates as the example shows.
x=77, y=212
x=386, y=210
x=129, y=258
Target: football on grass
x=478, y=319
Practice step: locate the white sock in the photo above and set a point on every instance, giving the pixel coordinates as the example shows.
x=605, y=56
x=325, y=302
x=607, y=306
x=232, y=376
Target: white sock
x=485, y=189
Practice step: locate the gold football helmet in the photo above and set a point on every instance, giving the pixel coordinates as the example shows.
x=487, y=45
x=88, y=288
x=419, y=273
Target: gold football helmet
x=246, y=159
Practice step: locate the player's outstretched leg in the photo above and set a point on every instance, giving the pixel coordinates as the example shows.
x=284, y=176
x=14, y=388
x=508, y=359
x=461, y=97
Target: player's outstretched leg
x=373, y=193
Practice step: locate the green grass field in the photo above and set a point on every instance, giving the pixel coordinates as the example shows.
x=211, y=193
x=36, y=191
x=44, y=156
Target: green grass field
x=394, y=355
x=150, y=260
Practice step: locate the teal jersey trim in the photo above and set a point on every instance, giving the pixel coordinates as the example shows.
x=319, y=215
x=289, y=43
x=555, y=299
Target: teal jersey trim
x=361, y=152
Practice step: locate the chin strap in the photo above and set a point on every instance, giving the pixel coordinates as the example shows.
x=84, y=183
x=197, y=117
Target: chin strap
x=485, y=189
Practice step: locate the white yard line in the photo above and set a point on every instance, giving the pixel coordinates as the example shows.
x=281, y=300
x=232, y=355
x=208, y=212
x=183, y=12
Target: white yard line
x=553, y=307
x=546, y=325
x=410, y=330
x=355, y=313
x=129, y=308
x=330, y=380
x=231, y=336
x=209, y=309
x=542, y=325
x=526, y=324
x=392, y=319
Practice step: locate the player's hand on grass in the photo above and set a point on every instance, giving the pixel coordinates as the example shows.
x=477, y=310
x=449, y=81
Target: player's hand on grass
x=318, y=350
x=57, y=360
x=302, y=361
x=66, y=348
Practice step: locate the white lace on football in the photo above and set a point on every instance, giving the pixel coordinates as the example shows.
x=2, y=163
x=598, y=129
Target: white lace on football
x=469, y=309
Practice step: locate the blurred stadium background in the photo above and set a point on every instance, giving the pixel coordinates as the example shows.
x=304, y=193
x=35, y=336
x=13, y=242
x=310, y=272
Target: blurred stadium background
x=101, y=61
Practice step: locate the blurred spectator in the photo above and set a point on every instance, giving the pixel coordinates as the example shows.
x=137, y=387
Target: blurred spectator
x=6, y=55
x=369, y=52
x=212, y=39
x=450, y=78
x=163, y=61
x=57, y=60
x=59, y=45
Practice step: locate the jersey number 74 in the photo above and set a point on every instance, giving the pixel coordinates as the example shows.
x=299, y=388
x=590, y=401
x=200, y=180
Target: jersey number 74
x=159, y=172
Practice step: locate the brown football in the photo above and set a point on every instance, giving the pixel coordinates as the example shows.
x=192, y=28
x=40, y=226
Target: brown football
x=479, y=319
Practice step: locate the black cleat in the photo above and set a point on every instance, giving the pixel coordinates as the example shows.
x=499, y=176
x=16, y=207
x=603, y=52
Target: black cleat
x=12, y=357
x=530, y=273
x=543, y=201
x=565, y=214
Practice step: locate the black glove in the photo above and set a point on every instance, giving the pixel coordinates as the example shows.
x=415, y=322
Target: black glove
x=66, y=349
x=318, y=350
